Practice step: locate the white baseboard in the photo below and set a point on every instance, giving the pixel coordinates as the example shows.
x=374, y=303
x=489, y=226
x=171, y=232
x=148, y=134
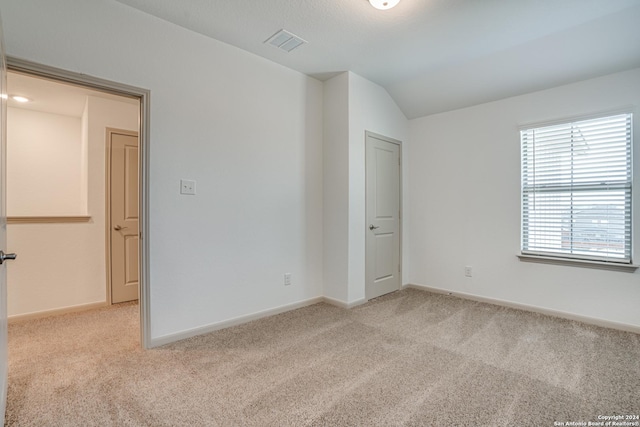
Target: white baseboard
x=550, y=312
x=170, y=338
x=56, y=312
x=343, y=304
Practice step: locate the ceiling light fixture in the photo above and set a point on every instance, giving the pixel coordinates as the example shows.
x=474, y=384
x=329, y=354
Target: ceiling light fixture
x=384, y=4
x=20, y=98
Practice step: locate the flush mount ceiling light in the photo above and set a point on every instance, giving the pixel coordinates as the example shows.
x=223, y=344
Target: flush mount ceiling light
x=384, y=4
x=20, y=98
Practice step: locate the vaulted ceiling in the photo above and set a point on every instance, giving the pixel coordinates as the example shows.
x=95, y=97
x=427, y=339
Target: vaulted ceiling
x=430, y=55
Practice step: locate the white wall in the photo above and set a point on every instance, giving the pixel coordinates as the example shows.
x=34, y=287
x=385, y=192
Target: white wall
x=336, y=188
x=44, y=172
x=247, y=130
x=62, y=265
x=352, y=106
x=464, y=181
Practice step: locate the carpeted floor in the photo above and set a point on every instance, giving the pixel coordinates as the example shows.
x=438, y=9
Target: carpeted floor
x=410, y=358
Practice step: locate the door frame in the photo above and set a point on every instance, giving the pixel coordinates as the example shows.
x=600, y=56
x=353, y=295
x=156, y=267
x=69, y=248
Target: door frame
x=4, y=354
x=368, y=134
x=107, y=204
x=143, y=95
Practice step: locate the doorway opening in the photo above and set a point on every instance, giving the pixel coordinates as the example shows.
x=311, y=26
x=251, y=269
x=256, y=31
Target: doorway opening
x=67, y=183
x=122, y=213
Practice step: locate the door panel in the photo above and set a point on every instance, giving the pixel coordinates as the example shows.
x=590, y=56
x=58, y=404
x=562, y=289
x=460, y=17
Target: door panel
x=385, y=245
x=131, y=181
x=130, y=259
x=386, y=196
x=124, y=217
x=383, y=216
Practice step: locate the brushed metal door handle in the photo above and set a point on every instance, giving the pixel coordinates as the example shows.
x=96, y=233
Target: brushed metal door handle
x=4, y=257
x=118, y=228
x=373, y=227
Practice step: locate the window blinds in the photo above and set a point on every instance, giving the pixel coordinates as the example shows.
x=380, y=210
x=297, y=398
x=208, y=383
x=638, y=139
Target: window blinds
x=576, y=189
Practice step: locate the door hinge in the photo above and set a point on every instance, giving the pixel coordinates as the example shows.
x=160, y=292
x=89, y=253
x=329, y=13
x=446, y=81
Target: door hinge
x=141, y=235
x=398, y=268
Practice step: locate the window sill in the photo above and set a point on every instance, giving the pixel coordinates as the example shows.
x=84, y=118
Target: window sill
x=629, y=268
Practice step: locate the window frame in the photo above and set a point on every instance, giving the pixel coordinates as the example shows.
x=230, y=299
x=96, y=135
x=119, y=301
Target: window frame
x=568, y=259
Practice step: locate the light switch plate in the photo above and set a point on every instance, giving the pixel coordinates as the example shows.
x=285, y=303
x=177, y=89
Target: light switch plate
x=187, y=186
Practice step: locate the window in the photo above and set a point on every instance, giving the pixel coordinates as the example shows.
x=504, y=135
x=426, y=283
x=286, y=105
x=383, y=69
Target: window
x=576, y=190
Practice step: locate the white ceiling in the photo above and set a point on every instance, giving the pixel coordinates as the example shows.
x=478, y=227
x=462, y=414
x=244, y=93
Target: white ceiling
x=430, y=55
x=51, y=96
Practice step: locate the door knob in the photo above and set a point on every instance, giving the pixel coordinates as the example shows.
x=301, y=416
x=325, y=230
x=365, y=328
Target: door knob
x=118, y=228
x=373, y=227
x=4, y=256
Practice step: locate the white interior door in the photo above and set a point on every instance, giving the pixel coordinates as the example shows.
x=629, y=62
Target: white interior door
x=124, y=216
x=3, y=229
x=383, y=215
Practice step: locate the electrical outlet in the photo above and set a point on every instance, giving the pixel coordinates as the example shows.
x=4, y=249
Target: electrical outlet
x=468, y=271
x=287, y=279
x=187, y=186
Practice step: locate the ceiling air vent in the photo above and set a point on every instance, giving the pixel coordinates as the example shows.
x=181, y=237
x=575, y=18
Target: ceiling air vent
x=284, y=40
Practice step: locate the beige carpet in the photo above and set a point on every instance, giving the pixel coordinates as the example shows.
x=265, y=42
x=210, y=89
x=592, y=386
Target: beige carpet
x=411, y=358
